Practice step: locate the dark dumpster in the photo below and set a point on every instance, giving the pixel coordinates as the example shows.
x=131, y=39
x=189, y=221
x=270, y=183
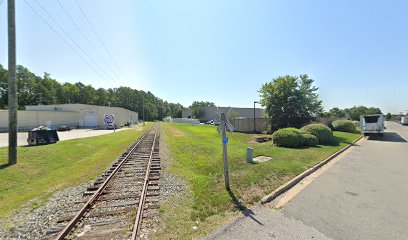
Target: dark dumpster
x=42, y=135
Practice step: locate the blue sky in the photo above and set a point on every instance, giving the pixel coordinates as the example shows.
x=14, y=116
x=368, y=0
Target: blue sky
x=223, y=51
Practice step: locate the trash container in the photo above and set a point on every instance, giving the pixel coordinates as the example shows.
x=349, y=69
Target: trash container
x=42, y=135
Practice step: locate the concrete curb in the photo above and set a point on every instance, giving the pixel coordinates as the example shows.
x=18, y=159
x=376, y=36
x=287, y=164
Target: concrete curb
x=285, y=187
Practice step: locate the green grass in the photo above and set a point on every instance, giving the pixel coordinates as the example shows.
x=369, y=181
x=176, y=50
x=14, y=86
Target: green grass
x=42, y=170
x=196, y=151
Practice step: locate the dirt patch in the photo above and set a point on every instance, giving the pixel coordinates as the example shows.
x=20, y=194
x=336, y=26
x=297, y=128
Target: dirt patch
x=253, y=194
x=175, y=132
x=260, y=139
x=253, y=142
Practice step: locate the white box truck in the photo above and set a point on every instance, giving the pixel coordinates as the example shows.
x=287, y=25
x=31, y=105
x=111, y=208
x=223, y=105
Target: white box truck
x=404, y=120
x=372, y=124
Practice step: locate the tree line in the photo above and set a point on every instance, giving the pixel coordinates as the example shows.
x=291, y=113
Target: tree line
x=293, y=101
x=33, y=90
x=352, y=113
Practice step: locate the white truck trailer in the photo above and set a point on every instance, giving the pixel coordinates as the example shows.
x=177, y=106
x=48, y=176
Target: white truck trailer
x=372, y=124
x=404, y=120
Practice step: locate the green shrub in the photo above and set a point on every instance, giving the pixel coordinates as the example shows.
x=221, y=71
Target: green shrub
x=333, y=141
x=356, y=123
x=299, y=132
x=322, y=132
x=310, y=140
x=286, y=138
x=344, y=126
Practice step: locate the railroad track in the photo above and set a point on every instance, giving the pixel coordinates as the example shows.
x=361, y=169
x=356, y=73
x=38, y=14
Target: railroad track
x=117, y=203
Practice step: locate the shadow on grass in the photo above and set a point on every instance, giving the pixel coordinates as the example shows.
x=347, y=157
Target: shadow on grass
x=340, y=140
x=6, y=165
x=242, y=208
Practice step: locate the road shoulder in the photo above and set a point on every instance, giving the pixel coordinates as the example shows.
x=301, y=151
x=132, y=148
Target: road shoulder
x=264, y=223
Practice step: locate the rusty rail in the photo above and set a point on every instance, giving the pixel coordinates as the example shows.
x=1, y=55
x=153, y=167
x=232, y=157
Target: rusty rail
x=95, y=196
x=139, y=214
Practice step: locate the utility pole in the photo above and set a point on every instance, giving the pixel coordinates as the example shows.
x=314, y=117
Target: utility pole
x=143, y=113
x=12, y=84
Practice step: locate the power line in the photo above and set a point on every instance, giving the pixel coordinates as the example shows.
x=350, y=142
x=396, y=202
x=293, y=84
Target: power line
x=66, y=43
x=72, y=40
x=69, y=16
x=99, y=38
x=86, y=38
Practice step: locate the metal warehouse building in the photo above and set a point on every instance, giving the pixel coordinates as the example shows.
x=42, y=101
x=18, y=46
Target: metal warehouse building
x=75, y=115
x=212, y=113
x=241, y=118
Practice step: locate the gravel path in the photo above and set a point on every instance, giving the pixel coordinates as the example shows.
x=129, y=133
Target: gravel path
x=169, y=184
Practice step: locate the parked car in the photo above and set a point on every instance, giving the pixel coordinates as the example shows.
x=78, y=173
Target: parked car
x=213, y=122
x=63, y=128
x=111, y=126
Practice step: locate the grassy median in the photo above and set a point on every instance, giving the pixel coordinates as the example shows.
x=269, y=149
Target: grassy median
x=196, y=151
x=42, y=170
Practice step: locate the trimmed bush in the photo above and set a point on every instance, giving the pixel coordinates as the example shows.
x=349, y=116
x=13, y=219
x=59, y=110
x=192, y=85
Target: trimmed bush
x=344, y=126
x=322, y=132
x=286, y=138
x=299, y=132
x=356, y=123
x=334, y=141
x=310, y=140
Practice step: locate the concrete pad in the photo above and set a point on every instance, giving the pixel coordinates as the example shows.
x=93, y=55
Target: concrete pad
x=261, y=159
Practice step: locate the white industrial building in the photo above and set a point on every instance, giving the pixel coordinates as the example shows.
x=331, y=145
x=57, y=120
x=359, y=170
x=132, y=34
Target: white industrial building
x=74, y=115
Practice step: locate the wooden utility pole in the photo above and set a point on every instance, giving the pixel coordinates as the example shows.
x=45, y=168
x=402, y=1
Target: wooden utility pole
x=12, y=84
x=143, y=114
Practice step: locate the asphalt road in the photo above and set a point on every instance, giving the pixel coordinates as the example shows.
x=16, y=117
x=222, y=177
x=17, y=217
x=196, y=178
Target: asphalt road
x=364, y=195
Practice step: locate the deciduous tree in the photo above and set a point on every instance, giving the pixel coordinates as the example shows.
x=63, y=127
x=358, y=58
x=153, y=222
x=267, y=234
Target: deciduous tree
x=290, y=101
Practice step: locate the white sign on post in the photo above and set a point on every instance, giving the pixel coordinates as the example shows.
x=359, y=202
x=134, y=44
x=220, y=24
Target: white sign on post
x=108, y=119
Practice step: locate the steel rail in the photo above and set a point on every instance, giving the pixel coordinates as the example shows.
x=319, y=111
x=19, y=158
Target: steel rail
x=95, y=196
x=139, y=214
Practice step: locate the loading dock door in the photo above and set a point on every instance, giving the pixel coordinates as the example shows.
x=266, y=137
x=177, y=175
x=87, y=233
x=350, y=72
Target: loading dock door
x=90, y=118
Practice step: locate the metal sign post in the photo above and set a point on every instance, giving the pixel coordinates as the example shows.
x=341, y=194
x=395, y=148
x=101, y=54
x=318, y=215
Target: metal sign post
x=223, y=127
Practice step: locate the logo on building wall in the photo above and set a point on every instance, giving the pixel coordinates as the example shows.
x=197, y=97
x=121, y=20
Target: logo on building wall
x=108, y=118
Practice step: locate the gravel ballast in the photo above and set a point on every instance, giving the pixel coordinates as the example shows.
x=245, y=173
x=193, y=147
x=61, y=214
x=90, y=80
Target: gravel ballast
x=29, y=223
x=34, y=223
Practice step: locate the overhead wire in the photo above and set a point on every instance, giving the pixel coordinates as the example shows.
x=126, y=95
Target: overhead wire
x=72, y=20
x=65, y=42
x=99, y=38
x=87, y=39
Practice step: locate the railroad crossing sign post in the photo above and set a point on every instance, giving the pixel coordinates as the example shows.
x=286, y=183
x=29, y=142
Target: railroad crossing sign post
x=223, y=127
